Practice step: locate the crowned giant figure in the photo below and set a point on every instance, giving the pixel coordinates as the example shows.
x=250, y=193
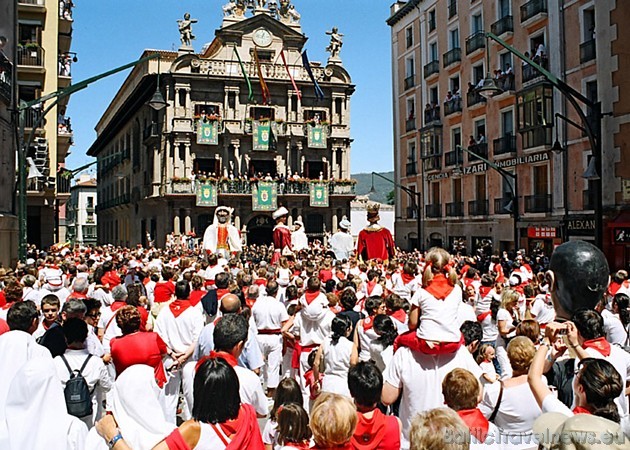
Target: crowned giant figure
x=375, y=241
x=222, y=238
x=281, y=234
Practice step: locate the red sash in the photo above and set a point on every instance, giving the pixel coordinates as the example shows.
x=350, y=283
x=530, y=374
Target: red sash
x=484, y=290
x=369, y=433
x=117, y=305
x=195, y=297
x=243, y=431
x=179, y=306
x=260, y=282
x=310, y=296
x=439, y=287
x=270, y=331
x=599, y=344
x=298, y=350
x=482, y=316
x=411, y=340
x=476, y=423
x=222, y=293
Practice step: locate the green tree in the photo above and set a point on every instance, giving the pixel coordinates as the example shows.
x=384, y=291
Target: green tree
x=391, y=197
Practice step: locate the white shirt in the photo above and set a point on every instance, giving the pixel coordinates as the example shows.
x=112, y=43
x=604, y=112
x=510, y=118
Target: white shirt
x=30, y=293
x=337, y=364
x=179, y=333
x=465, y=313
x=542, y=312
x=269, y=313
x=404, y=291
x=420, y=377
x=438, y=318
x=299, y=240
x=490, y=329
x=250, y=390
x=314, y=321
x=365, y=340
x=615, y=332
x=620, y=359
x=503, y=314
x=62, y=294
x=342, y=245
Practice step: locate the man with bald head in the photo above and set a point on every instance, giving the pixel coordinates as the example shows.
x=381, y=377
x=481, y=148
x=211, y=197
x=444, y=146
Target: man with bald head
x=251, y=357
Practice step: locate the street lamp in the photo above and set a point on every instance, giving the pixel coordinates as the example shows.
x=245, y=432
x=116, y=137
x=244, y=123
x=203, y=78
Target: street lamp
x=592, y=129
x=489, y=86
x=415, y=196
x=513, y=205
x=25, y=144
x=157, y=102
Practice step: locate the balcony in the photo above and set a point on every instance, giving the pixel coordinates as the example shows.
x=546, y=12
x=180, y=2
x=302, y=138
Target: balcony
x=588, y=51
x=244, y=187
x=588, y=200
x=31, y=117
x=503, y=25
x=537, y=137
x=506, y=82
x=453, y=158
x=474, y=98
x=475, y=42
x=31, y=55
x=533, y=10
x=478, y=208
x=452, y=106
x=530, y=73
x=480, y=149
x=431, y=68
x=431, y=115
x=411, y=169
x=500, y=205
x=452, y=56
x=452, y=8
x=410, y=124
x=504, y=145
x=538, y=203
x=433, y=211
x=410, y=81
x=432, y=163
x=455, y=209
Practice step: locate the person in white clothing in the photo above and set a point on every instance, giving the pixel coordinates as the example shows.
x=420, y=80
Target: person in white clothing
x=420, y=376
x=299, y=240
x=30, y=291
x=179, y=326
x=613, y=327
x=270, y=316
x=53, y=284
x=365, y=333
x=338, y=354
x=342, y=243
x=78, y=359
x=406, y=283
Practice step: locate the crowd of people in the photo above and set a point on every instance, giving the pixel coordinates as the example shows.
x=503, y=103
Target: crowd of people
x=186, y=348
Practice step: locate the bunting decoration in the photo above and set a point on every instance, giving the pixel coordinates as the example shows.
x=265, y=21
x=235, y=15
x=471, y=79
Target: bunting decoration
x=318, y=194
x=207, y=132
x=286, y=66
x=319, y=94
x=263, y=84
x=265, y=196
x=262, y=135
x=250, y=95
x=206, y=194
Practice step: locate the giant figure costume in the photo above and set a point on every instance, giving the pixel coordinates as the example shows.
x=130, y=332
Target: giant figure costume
x=375, y=241
x=222, y=237
x=281, y=234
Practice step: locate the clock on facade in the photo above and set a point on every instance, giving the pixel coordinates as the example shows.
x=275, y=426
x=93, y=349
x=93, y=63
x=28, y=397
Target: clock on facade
x=262, y=37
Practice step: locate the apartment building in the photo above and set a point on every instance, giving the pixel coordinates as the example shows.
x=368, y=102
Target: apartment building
x=81, y=211
x=44, y=65
x=440, y=58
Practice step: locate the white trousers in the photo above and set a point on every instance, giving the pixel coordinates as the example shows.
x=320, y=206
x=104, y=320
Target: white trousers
x=182, y=378
x=271, y=349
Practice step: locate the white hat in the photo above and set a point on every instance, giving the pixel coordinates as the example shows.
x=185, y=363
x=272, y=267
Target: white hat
x=299, y=223
x=345, y=224
x=226, y=209
x=133, y=264
x=282, y=211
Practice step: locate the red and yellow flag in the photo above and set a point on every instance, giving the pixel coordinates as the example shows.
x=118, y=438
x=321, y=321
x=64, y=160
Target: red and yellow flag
x=263, y=84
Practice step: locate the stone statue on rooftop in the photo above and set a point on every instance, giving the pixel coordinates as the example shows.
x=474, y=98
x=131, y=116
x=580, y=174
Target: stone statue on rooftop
x=229, y=9
x=185, y=30
x=336, y=42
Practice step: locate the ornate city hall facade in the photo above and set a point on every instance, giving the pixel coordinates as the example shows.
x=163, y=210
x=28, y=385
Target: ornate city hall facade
x=245, y=125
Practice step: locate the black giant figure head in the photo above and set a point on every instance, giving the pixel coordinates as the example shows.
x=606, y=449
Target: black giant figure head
x=579, y=276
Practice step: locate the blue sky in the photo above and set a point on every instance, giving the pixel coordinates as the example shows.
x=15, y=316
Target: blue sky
x=111, y=33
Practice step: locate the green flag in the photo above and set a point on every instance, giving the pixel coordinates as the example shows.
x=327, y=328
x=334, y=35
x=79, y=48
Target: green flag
x=208, y=132
x=317, y=136
x=265, y=196
x=206, y=194
x=250, y=96
x=319, y=194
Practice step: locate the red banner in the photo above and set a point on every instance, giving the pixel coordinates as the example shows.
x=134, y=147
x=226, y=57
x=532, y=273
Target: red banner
x=541, y=232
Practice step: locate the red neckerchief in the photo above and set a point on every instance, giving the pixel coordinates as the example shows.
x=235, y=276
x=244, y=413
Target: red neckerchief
x=407, y=278
x=305, y=445
x=260, y=282
x=195, y=296
x=369, y=432
x=599, y=344
x=78, y=296
x=231, y=360
x=221, y=293
x=244, y=431
x=399, y=315
x=580, y=410
x=117, y=305
x=340, y=275
x=368, y=322
x=439, y=287
x=482, y=316
x=613, y=288
x=484, y=290
x=370, y=286
x=310, y=296
x=179, y=306
x=476, y=422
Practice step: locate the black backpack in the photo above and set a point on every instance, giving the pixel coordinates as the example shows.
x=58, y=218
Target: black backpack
x=77, y=392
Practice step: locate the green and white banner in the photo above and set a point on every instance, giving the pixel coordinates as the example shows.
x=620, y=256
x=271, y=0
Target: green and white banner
x=319, y=194
x=208, y=132
x=262, y=136
x=206, y=194
x=317, y=135
x=265, y=196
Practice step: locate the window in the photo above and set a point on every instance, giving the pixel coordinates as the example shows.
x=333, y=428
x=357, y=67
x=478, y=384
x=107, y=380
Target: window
x=409, y=36
x=206, y=109
x=411, y=152
x=507, y=185
x=411, y=108
x=505, y=60
x=433, y=51
x=588, y=24
x=435, y=193
x=409, y=67
x=477, y=23
x=535, y=116
x=90, y=202
x=480, y=130
x=456, y=138
x=454, y=83
x=480, y=187
x=504, y=8
x=433, y=95
x=431, y=142
x=454, y=38
x=432, y=20
x=507, y=123
x=258, y=113
x=541, y=186
x=478, y=74
x=457, y=190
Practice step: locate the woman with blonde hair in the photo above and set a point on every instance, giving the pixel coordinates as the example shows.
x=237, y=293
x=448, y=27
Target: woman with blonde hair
x=439, y=428
x=333, y=420
x=508, y=318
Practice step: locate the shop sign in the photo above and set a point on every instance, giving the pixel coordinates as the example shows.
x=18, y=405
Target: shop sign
x=581, y=225
x=437, y=176
x=476, y=168
x=621, y=235
x=541, y=232
x=527, y=159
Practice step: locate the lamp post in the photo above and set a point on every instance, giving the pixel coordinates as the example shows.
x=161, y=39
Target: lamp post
x=592, y=128
x=507, y=176
x=417, y=198
x=25, y=144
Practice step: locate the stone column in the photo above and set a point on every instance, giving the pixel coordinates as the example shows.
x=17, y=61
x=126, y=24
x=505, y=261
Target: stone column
x=237, y=222
x=236, y=143
x=333, y=162
x=176, y=227
x=157, y=166
x=187, y=160
x=187, y=221
x=334, y=223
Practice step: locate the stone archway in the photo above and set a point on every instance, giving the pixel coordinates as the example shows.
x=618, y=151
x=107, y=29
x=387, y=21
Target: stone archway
x=260, y=230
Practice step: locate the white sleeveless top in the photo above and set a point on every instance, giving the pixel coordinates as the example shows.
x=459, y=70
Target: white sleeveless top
x=211, y=438
x=337, y=363
x=438, y=319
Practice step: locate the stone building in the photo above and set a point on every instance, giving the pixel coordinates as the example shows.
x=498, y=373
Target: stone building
x=440, y=54
x=81, y=207
x=151, y=163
